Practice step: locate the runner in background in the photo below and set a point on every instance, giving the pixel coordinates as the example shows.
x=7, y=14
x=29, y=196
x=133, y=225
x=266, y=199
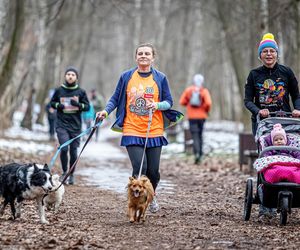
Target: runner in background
x=198, y=102
x=69, y=100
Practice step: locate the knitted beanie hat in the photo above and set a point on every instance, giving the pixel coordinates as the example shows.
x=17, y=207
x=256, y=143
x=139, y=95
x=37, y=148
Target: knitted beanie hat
x=278, y=130
x=268, y=41
x=198, y=80
x=73, y=69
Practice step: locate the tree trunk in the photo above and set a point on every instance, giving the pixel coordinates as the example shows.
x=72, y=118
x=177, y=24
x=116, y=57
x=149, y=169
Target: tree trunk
x=43, y=36
x=4, y=12
x=10, y=62
x=264, y=15
x=27, y=120
x=253, y=27
x=234, y=55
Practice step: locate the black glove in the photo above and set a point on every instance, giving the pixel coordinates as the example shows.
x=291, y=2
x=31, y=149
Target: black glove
x=60, y=107
x=75, y=103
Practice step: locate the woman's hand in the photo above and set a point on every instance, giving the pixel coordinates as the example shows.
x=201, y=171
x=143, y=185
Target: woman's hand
x=296, y=113
x=264, y=112
x=153, y=106
x=101, y=115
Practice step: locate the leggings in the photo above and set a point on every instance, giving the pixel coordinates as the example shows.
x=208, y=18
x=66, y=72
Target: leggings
x=63, y=135
x=64, y=158
x=150, y=165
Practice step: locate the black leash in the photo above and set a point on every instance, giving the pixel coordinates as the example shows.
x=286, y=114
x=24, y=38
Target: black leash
x=96, y=124
x=145, y=146
x=75, y=163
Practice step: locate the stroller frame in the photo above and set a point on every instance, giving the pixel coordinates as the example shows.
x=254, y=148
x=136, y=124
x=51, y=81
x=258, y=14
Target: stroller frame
x=282, y=195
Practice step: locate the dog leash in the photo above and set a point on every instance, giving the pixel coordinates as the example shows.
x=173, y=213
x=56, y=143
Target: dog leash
x=93, y=129
x=96, y=124
x=146, y=141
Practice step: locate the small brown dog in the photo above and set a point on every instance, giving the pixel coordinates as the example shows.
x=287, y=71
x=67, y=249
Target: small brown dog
x=140, y=194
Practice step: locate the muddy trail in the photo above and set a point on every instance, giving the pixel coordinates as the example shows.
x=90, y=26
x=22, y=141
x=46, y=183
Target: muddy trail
x=203, y=211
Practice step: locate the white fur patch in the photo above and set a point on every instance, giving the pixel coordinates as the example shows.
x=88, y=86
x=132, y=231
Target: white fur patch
x=54, y=199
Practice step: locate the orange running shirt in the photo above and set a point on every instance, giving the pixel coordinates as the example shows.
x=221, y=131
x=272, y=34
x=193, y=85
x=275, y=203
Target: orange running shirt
x=140, y=92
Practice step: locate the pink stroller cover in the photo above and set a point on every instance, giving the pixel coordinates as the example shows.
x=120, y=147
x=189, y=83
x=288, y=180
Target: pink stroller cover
x=282, y=172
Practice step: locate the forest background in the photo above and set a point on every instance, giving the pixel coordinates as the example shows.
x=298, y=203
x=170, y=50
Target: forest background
x=217, y=38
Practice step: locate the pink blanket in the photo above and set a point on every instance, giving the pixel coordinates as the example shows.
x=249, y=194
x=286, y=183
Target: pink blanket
x=282, y=171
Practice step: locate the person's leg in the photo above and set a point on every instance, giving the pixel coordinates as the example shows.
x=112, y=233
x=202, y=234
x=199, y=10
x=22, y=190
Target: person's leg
x=254, y=126
x=194, y=129
x=153, y=159
x=201, y=125
x=63, y=136
x=73, y=157
x=51, y=128
x=135, y=154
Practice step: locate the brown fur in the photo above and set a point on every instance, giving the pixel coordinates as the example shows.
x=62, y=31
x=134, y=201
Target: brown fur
x=140, y=194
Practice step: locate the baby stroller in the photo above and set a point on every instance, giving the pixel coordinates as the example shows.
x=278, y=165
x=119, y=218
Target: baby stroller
x=282, y=195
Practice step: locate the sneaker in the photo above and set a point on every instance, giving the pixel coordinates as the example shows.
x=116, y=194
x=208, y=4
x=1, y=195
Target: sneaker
x=61, y=178
x=267, y=212
x=153, y=207
x=71, y=180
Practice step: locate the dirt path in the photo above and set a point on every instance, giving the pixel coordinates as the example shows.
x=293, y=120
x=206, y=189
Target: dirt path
x=204, y=212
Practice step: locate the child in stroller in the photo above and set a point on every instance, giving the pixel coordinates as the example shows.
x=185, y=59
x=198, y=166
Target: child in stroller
x=278, y=137
x=281, y=172
x=278, y=167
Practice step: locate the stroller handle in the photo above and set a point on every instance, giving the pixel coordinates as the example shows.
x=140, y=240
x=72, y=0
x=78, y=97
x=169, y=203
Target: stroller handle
x=278, y=148
x=279, y=113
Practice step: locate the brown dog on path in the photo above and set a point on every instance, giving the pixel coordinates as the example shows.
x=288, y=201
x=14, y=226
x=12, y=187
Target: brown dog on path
x=140, y=194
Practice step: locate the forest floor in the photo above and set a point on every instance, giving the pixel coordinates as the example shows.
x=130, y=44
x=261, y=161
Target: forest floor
x=204, y=212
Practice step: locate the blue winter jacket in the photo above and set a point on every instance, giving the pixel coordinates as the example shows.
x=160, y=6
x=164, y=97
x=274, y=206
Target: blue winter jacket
x=118, y=99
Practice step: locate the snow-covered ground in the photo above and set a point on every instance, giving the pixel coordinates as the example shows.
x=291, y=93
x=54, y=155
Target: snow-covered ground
x=220, y=137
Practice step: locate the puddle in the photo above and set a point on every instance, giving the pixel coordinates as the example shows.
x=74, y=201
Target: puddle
x=106, y=174
x=115, y=179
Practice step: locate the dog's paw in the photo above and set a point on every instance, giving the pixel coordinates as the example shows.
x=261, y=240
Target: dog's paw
x=131, y=220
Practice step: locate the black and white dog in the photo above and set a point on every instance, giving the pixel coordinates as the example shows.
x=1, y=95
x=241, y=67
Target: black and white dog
x=24, y=181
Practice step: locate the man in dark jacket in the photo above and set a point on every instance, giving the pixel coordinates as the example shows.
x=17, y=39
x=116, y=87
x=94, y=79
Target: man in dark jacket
x=69, y=100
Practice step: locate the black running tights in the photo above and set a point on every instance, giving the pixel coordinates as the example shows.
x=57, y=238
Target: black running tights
x=150, y=165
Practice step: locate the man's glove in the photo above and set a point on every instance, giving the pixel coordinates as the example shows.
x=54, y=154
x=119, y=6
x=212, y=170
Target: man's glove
x=60, y=107
x=75, y=103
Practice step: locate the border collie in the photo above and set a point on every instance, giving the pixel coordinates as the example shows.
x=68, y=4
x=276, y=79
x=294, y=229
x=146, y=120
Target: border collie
x=24, y=181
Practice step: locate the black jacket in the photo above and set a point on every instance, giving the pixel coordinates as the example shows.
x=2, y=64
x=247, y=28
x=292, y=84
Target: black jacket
x=70, y=117
x=270, y=89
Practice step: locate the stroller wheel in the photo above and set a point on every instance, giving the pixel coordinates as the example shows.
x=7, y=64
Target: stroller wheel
x=248, y=199
x=284, y=210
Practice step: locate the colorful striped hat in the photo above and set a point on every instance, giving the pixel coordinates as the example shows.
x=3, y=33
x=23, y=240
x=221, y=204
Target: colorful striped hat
x=267, y=41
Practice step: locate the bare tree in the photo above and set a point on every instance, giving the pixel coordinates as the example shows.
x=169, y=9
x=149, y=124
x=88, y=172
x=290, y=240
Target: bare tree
x=10, y=61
